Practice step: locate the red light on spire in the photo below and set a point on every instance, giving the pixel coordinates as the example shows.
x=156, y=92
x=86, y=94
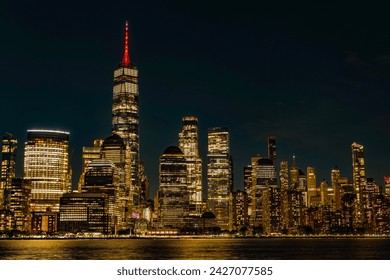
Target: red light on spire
x=126, y=56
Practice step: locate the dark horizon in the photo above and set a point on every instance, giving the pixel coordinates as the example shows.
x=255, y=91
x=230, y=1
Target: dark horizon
x=315, y=77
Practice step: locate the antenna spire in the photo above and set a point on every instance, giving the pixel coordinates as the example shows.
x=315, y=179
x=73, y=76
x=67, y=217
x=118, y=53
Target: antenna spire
x=126, y=56
x=294, y=162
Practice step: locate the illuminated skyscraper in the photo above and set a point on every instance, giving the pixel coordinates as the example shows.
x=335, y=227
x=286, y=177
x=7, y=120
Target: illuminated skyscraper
x=8, y=159
x=294, y=174
x=125, y=109
x=8, y=164
x=297, y=198
x=369, y=195
x=387, y=187
x=19, y=204
x=238, y=212
x=144, y=186
x=102, y=177
x=284, y=193
x=324, y=194
x=219, y=175
x=335, y=177
x=46, y=166
x=188, y=143
x=247, y=178
x=173, y=200
x=250, y=181
x=311, y=187
x=115, y=149
x=359, y=180
x=266, y=197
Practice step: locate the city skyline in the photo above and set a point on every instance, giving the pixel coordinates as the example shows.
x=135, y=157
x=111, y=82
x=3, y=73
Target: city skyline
x=171, y=88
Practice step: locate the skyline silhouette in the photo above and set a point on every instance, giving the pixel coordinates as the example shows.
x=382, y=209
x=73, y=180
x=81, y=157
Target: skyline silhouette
x=316, y=79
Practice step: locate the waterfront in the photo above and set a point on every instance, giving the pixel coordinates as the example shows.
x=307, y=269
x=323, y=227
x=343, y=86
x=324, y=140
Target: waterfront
x=197, y=249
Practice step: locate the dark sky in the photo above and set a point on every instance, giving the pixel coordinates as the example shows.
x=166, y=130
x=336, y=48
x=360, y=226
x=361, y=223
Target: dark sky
x=317, y=76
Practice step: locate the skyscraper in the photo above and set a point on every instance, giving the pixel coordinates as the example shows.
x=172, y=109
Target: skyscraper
x=387, y=187
x=102, y=177
x=19, y=203
x=46, y=166
x=311, y=187
x=369, y=197
x=8, y=167
x=238, y=210
x=8, y=159
x=284, y=193
x=188, y=143
x=125, y=108
x=359, y=180
x=173, y=200
x=115, y=150
x=297, y=197
x=219, y=175
x=335, y=177
x=144, y=186
x=265, y=197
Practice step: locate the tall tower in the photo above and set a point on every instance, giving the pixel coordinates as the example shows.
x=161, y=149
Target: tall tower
x=173, y=202
x=19, y=203
x=8, y=163
x=335, y=181
x=102, y=176
x=46, y=165
x=115, y=149
x=125, y=109
x=265, y=197
x=219, y=175
x=297, y=197
x=359, y=180
x=188, y=143
x=311, y=186
x=284, y=193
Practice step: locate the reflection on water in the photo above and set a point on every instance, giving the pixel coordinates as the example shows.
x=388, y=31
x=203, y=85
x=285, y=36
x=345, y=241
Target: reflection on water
x=199, y=249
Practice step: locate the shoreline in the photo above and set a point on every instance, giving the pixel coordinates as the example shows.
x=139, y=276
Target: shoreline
x=199, y=237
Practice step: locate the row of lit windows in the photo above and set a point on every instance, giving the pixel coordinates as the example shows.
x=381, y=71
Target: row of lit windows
x=126, y=71
x=125, y=88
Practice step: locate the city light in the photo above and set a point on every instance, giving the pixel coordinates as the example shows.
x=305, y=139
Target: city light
x=278, y=198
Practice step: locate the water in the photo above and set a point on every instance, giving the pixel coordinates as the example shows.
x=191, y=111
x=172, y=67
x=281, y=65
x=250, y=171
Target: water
x=196, y=249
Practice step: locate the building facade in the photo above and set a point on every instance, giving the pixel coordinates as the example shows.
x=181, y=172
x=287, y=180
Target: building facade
x=238, y=212
x=8, y=168
x=359, y=181
x=46, y=166
x=173, y=196
x=219, y=175
x=19, y=204
x=284, y=181
x=312, y=193
x=115, y=149
x=189, y=144
x=83, y=212
x=265, y=197
x=102, y=177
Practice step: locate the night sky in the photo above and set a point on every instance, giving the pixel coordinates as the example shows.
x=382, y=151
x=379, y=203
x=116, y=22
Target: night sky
x=316, y=76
